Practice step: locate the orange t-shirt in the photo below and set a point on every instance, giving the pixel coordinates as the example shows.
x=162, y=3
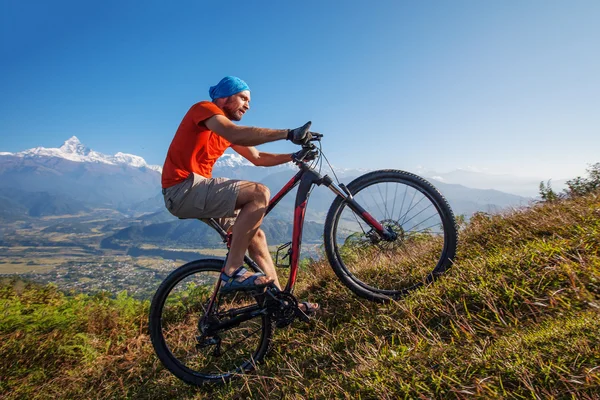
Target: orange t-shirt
x=195, y=148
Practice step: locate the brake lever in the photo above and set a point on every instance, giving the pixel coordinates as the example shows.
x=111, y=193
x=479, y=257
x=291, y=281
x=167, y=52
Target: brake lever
x=306, y=149
x=316, y=136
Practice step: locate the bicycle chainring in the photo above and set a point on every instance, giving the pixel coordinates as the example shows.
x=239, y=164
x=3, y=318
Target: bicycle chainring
x=282, y=308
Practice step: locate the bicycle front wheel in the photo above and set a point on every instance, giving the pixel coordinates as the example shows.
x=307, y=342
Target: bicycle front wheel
x=420, y=217
x=177, y=318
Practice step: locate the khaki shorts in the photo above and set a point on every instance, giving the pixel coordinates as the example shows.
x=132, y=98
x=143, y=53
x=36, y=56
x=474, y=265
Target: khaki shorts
x=203, y=198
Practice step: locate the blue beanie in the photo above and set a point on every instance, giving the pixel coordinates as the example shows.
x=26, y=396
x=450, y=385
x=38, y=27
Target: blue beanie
x=228, y=86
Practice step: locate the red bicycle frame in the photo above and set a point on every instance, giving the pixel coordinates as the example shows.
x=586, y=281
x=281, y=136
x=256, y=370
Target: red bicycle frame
x=306, y=177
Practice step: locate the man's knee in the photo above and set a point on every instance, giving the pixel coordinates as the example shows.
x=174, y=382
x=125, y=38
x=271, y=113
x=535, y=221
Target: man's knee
x=263, y=192
x=251, y=192
x=260, y=235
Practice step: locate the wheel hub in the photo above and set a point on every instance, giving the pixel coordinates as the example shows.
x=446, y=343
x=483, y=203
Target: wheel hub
x=395, y=230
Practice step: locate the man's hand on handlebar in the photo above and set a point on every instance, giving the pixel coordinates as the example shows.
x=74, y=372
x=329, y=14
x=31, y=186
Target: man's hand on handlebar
x=303, y=155
x=302, y=135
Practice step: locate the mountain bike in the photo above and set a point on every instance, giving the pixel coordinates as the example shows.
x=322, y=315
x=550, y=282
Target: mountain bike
x=386, y=233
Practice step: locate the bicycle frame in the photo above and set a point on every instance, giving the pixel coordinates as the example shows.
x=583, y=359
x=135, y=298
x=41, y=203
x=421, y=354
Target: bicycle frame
x=357, y=245
x=306, y=178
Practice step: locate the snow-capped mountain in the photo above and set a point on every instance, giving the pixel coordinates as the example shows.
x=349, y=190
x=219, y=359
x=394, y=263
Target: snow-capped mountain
x=77, y=176
x=73, y=150
x=232, y=161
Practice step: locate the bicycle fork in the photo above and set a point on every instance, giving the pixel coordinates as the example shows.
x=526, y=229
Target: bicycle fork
x=343, y=192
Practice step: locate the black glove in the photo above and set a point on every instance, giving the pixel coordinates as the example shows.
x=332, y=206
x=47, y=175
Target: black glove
x=300, y=135
x=311, y=155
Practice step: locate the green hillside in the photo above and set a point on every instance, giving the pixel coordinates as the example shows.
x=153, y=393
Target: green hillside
x=518, y=316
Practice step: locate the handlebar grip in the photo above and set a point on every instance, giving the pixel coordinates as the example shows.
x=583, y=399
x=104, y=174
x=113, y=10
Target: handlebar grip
x=306, y=150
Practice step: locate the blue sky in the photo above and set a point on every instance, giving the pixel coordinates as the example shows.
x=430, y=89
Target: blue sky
x=500, y=86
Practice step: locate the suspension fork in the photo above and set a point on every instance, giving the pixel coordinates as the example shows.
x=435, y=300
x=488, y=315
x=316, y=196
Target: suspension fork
x=343, y=192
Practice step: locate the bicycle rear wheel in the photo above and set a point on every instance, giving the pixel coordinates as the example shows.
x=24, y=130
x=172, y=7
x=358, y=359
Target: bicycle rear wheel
x=420, y=217
x=176, y=313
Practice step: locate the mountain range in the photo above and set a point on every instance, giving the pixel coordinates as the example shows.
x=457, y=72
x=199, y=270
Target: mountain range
x=73, y=178
x=73, y=150
x=85, y=191
x=522, y=186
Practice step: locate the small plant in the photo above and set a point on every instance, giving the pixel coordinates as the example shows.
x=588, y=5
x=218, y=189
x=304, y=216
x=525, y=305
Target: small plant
x=582, y=186
x=575, y=187
x=546, y=192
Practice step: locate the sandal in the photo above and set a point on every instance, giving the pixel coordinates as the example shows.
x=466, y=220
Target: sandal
x=248, y=284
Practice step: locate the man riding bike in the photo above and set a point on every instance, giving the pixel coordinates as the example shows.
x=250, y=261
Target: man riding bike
x=190, y=191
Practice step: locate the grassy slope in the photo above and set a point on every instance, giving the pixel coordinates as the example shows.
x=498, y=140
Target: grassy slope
x=517, y=317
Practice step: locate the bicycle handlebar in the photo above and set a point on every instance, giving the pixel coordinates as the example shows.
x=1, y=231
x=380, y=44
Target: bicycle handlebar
x=307, y=147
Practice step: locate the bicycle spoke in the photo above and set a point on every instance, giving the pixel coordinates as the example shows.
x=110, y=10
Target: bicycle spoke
x=394, y=204
x=375, y=201
x=410, y=209
x=184, y=330
x=383, y=202
x=427, y=219
x=426, y=229
x=377, y=264
x=417, y=214
x=402, y=206
x=242, y=339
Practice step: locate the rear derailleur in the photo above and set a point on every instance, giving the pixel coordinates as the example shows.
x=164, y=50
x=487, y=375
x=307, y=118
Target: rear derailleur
x=208, y=338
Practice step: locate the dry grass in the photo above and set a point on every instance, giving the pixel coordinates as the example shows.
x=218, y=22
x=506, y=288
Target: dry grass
x=517, y=318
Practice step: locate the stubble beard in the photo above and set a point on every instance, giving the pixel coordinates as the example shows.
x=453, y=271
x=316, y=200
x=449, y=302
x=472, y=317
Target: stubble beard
x=231, y=113
x=232, y=116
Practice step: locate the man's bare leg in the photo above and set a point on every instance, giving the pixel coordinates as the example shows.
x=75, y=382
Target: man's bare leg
x=252, y=201
x=259, y=252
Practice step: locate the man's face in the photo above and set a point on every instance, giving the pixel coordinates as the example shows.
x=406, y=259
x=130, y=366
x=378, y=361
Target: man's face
x=235, y=106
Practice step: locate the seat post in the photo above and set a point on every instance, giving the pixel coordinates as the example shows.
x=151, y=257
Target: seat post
x=215, y=225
